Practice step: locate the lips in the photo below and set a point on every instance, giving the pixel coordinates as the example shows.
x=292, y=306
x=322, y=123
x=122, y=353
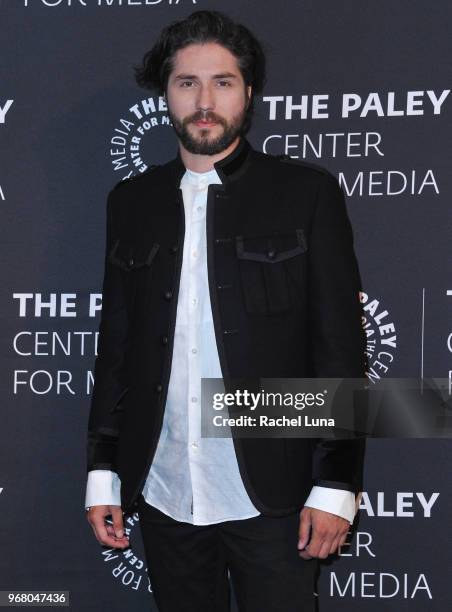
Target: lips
x=205, y=123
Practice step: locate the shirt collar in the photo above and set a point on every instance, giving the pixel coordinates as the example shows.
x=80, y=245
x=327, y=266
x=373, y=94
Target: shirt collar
x=200, y=180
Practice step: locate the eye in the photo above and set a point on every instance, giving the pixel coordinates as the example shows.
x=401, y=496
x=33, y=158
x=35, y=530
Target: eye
x=186, y=83
x=224, y=83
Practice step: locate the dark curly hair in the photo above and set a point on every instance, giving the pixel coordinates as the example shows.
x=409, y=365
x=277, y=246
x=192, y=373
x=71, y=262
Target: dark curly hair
x=202, y=27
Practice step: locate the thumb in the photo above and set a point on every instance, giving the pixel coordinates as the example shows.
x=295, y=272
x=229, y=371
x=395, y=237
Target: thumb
x=304, y=529
x=118, y=524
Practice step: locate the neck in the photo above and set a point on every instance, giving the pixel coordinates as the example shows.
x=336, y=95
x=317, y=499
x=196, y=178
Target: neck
x=204, y=163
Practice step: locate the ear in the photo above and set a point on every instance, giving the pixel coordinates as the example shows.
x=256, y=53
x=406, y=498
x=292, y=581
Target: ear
x=249, y=89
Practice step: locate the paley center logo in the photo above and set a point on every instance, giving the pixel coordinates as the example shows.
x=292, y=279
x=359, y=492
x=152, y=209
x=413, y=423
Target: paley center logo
x=381, y=336
x=138, y=136
x=379, y=576
x=128, y=566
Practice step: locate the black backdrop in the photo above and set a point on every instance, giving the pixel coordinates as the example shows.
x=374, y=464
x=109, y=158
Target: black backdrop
x=70, y=122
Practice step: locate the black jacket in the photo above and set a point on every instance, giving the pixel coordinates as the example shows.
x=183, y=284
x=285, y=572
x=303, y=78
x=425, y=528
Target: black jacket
x=283, y=282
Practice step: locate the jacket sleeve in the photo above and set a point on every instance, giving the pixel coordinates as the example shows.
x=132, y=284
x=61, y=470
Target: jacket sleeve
x=110, y=376
x=337, y=337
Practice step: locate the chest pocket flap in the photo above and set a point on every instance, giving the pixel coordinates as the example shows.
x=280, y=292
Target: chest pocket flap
x=271, y=270
x=271, y=249
x=129, y=256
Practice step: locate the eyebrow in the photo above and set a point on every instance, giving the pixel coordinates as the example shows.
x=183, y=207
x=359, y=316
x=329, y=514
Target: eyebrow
x=225, y=75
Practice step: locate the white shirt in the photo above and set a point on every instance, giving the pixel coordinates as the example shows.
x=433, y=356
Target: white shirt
x=194, y=479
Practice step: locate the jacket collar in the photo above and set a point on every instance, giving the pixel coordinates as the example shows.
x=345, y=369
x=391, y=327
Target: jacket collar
x=228, y=168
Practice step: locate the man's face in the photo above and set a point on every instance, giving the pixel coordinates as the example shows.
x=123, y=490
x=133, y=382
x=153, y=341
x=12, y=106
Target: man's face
x=207, y=98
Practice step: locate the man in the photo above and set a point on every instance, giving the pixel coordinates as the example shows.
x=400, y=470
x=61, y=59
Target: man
x=223, y=263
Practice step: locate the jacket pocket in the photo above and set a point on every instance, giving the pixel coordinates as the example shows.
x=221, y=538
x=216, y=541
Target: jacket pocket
x=131, y=257
x=271, y=270
x=134, y=266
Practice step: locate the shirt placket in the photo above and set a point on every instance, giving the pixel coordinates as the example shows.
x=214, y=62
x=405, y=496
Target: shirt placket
x=195, y=301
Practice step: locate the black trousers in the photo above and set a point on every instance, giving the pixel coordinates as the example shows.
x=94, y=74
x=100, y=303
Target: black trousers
x=189, y=565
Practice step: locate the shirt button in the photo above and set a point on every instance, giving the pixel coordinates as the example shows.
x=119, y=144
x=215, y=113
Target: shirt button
x=194, y=399
x=194, y=253
x=194, y=350
x=194, y=445
x=194, y=301
x=199, y=208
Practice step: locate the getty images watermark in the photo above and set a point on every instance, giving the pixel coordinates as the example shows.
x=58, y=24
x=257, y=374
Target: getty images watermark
x=326, y=407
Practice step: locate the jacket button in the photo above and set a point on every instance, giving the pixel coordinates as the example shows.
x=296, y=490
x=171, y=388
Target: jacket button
x=174, y=248
x=131, y=261
x=159, y=388
x=164, y=339
x=271, y=254
x=168, y=295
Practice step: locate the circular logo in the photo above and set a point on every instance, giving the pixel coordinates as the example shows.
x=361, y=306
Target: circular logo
x=381, y=337
x=141, y=138
x=129, y=566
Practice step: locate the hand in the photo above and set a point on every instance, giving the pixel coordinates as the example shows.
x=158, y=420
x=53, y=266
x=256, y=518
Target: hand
x=108, y=535
x=329, y=531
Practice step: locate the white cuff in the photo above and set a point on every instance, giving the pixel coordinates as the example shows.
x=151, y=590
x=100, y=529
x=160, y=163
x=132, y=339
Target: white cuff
x=103, y=488
x=336, y=501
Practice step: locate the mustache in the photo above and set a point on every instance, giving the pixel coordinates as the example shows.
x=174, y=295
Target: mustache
x=205, y=116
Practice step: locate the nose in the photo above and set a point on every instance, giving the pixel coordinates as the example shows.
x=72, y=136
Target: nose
x=206, y=98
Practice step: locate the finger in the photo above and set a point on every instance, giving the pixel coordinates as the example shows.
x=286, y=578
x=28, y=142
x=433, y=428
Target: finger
x=343, y=539
x=335, y=544
x=102, y=535
x=321, y=539
x=304, y=530
x=317, y=539
x=324, y=549
x=111, y=532
x=304, y=554
x=118, y=524
x=111, y=540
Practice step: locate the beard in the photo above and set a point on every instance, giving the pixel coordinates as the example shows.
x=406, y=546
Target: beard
x=202, y=144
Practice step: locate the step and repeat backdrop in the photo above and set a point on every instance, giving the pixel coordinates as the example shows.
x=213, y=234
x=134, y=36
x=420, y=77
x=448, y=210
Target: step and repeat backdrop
x=362, y=88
